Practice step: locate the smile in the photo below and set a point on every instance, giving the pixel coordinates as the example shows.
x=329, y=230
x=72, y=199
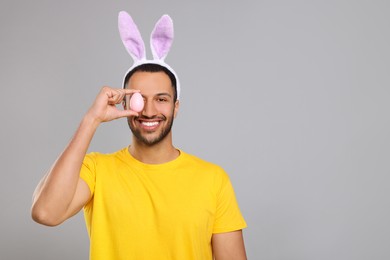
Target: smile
x=149, y=124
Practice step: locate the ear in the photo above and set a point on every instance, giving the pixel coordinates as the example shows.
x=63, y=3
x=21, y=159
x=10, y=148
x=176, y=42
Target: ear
x=176, y=109
x=162, y=37
x=131, y=36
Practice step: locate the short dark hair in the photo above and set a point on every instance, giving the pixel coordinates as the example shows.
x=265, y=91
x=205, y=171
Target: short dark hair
x=152, y=67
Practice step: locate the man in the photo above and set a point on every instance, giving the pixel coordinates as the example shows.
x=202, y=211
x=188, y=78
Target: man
x=149, y=200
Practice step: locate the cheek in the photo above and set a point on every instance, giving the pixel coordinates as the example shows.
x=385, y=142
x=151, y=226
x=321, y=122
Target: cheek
x=165, y=109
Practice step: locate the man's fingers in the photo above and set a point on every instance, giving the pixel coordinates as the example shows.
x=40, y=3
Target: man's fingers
x=127, y=113
x=116, y=96
x=130, y=91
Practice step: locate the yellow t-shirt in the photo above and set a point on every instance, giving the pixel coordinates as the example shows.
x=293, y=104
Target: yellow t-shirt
x=164, y=211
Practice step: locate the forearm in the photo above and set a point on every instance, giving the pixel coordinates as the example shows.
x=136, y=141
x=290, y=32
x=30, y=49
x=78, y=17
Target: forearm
x=56, y=190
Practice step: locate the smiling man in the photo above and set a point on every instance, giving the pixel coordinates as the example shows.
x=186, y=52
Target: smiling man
x=151, y=128
x=149, y=200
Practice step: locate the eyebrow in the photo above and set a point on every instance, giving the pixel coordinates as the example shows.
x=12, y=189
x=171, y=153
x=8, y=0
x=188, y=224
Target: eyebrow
x=164, y=94
x=160, y=94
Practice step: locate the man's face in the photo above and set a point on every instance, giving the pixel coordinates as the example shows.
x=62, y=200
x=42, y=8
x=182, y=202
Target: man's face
x=155, y=121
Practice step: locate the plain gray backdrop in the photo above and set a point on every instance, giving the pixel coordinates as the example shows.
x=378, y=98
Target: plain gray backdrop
x=290, y=97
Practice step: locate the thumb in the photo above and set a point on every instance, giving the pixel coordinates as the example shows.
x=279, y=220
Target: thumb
x=127, y=113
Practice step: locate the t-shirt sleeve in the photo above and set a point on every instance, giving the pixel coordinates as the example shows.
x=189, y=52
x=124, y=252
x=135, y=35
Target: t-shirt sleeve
x=88, y=171
x=228, y=215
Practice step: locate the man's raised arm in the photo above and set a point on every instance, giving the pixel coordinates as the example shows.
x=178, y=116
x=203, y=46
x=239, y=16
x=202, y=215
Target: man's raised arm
x=62, y=193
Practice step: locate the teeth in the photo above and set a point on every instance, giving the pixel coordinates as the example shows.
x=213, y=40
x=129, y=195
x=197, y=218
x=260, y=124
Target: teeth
x=150, y=123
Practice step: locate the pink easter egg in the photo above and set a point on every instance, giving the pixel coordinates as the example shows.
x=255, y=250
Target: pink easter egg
x=136, y=102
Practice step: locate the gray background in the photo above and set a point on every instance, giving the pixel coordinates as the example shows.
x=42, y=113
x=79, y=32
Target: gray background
x=290, y=97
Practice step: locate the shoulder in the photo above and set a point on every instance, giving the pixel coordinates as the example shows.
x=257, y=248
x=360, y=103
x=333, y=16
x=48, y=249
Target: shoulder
x=203, y=165
x=96, y=157
x=195, y=160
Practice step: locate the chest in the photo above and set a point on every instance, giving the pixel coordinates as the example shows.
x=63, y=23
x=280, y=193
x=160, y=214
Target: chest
x=162, y=201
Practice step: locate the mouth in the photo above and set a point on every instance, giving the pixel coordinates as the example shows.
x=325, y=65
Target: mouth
x=148, y=124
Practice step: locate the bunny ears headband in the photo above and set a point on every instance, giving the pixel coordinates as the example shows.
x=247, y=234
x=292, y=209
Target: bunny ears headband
x=160, y=42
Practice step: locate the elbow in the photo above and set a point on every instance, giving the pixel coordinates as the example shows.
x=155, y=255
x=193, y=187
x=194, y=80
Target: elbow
x=44, y=217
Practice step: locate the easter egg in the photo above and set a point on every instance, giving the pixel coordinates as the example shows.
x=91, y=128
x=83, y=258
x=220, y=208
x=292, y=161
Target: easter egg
x=136, y=102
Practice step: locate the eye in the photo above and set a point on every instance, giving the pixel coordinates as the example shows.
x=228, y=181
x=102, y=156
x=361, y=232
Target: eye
x=161, y=99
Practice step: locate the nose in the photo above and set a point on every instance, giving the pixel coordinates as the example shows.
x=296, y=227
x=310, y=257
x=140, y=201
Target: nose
x=149, y=108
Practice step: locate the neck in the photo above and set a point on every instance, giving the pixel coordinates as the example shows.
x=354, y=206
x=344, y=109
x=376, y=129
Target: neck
x=159, y=153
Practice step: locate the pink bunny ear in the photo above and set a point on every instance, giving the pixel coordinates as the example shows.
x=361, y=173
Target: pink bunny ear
x=131, y=36
x=162, y=37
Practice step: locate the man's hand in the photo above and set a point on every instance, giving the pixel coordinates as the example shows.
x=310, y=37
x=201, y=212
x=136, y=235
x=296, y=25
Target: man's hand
x=105, y=109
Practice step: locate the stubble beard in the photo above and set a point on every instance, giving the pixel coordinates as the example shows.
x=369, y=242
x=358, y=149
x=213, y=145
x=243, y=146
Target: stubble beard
x=150, y=142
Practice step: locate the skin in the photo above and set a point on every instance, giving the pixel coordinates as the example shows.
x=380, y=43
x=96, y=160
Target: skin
x=62, y=193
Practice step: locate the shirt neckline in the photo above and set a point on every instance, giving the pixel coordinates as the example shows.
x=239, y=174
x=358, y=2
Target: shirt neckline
x=167, y=165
